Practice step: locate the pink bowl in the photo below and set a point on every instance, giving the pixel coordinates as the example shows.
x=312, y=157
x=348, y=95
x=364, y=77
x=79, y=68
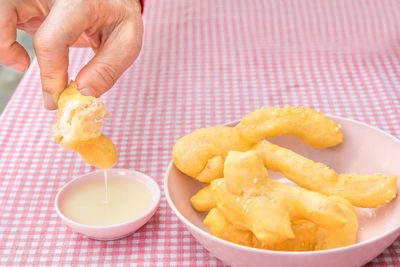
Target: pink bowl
x=365, y=150
x=116, y=231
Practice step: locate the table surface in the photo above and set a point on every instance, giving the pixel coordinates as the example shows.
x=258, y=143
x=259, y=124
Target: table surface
x=203, y=63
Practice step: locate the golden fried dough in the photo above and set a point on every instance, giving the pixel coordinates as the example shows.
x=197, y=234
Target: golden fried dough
x=213, y=169
x=203, y=200
x=305, y=238
x=366, y=191
x=309, y=125
x=340, y=236
x=269, y=223
x=248, y=208
x=201, y=154
x=78, y=127
x=78, y=119
x=206, y=147
x=305, y=234
x=222, y=228
x=250, y=200
x=100, y=152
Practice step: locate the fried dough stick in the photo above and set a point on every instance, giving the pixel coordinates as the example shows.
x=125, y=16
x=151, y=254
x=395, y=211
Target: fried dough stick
x=203, y=200
x=78, y=127
x=250, y=200
x=305, y=234
x=366, y=191
x=201, y=154
x=309, y=125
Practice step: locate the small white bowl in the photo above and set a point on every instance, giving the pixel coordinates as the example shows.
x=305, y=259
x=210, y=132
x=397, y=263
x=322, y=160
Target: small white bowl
x=365, y=149
x=111, y=232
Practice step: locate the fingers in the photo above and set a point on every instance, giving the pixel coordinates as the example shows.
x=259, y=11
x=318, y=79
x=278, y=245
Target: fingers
x=62, y=28
x=12, y=54
x=117, y=53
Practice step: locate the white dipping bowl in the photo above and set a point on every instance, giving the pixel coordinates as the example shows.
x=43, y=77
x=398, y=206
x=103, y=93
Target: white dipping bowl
x=364, y=150
x=116, y=231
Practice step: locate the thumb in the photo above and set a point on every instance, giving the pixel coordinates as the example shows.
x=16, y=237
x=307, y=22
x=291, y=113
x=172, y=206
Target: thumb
x=111, y=60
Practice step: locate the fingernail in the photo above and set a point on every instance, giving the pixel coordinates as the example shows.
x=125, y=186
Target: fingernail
x=49, y=101
x=88, y=91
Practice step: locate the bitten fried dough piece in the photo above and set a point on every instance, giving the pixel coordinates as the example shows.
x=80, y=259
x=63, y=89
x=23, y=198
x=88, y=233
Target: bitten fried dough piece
x=99, y=152
x=309, y=125
x=78, y=119
x=203, y=200
x=366, y=191
x=78, y=127
x=201, y=154
x=305, y=234
x=250, y=200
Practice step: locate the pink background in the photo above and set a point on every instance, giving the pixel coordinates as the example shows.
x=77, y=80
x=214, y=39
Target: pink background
x=203, y=63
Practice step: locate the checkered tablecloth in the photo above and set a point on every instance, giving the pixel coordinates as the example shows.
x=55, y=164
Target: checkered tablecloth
x=203, y=63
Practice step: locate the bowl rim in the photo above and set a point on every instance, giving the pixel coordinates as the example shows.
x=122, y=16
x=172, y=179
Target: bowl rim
x=153, y=183
x=276, y=252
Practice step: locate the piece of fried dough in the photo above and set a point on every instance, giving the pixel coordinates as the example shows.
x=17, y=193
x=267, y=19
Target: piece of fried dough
x=78, y=127
x=203, y=200
x=309, y=125
x=340, y=236
x=99, y=152
x=204, y=151
x=305, y=234
x=222, y=228
x=250, y=200
x=366, y=191
x=305, y=238
x=201, y=154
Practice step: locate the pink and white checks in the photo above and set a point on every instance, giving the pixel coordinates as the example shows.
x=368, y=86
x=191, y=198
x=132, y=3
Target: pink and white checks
x=203, y=63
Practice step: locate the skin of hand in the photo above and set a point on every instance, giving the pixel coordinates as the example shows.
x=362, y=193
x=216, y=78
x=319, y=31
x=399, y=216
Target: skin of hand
x=112, y=28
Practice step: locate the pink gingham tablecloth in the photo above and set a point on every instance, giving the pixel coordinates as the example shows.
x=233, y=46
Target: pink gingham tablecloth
x=203, y=63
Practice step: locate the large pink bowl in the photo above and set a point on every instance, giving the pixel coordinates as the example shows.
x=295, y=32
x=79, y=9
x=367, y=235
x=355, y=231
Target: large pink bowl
x=365, y=150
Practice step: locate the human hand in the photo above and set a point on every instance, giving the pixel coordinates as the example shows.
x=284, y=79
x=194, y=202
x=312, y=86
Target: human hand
x=113, y=28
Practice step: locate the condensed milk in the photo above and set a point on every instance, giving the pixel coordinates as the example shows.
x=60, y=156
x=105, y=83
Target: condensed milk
x=106, y=202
